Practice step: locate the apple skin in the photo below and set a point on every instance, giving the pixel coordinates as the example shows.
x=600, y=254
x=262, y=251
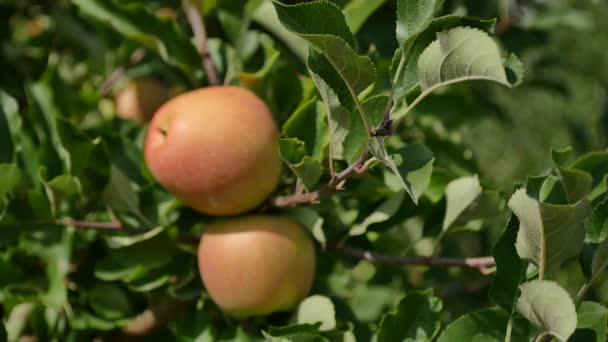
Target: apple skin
x=256, y=265
x=140, y=98
x=215, y=149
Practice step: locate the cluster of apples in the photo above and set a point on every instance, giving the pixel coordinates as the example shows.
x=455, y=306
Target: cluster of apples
x=216, y=150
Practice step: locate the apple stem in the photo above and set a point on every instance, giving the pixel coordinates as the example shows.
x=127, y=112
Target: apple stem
x=191, y=8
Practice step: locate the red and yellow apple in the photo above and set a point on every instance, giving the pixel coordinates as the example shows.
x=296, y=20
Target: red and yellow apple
x=215, y=149
x=140, y=98
x=256, y=265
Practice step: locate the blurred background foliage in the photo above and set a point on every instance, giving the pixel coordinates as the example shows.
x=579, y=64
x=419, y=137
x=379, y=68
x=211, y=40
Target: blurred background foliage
x=48, y=47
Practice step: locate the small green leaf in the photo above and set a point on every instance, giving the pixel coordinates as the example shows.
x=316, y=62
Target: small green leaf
x=152, y=253
x=119, y=194
x=549, y=307
x=510, y=270
x=384, y=212
x=593, y=316
x=135, y=22
x=358, y=11
x=416, y=318
x=600, y=259
x=10, y=179
x=482, y=325
x=356, y=138
x=194, y=326
x=576, y=183
x=312, y=221
x=548, y=234
x=8, y=150
x=294, y=329
x=460, y=54
x=307, y=169
x=254, y=80
x=315, y=309
x=308, y=125
x=460, y=194
x=413, y=165
x=109, y=301
x=596, y=225
x=413, y=16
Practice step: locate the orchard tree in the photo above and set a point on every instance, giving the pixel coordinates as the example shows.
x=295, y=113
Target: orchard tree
x=252, y=170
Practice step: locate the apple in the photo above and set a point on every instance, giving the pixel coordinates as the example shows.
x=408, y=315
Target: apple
x=215, y=149
x=256, y=265
x=140, y=98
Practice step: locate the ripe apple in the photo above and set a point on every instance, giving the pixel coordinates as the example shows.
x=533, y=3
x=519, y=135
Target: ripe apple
x=215, y=149
x=140, y=98
x=256, y=265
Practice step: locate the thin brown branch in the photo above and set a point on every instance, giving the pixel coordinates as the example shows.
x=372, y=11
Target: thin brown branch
x=333, y=184
x=192, y=10
x=114, y=225
x=477, y=263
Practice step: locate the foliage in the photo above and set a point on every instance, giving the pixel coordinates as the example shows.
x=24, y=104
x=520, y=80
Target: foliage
x=374, y=122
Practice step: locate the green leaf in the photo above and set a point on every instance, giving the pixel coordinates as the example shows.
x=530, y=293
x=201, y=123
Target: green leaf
x=548, y=234
x=460, y=54
x=152, y=253
x=413, y=165
x=294, y=329
x=109, y=301
x=576, y=183
x=254, y=80
x=317, y=309
x=510, y=270
x=307, y=169
x=119, y=194
x=194, y=327
x=482, y=325
x=600, y=260
x=358, y=11
x=596, y=164
x=548, y=307
x=8, y=150
x=415, y=319
x=593, y=316
x=382, y=213
x=10, y=179
x=308, y=125
x=596, y=225
x=312, y=221
x=407, y=76
x=413, y=16
x=460, y=194
x=135, y=22
x=356, y=139
x=315, y=18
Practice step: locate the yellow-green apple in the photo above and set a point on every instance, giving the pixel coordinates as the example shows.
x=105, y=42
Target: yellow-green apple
x=215, y=149
x=140, y=98
x=256, y=265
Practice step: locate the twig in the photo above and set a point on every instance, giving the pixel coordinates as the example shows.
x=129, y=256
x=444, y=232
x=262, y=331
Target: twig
x=191, y=8
x=478, y=263
x=119, y=72
x=333, y=184
x=114, y=225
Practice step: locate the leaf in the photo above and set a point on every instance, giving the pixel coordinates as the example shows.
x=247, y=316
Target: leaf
x=416, y=318
x=460, y=194
x=384, y=212
x=407, y=76
x=596, y=164
x=109, y=301
x=315, y=309
x=548, y=234
x=600, y=260
x=119, y=194
x=308, y=125
x=482, y=325
x=312, y=221
x=593, y=316
x=549, y=307
x=323, y=25
x=135, y=22
x=307, y=169
x=510, y=270
x=10, y=178
x=254, y=80
x=8, y=150
x=315, y=18
x=414, y=168
x=356, y=139
x=357, y=12
x=460, y=54
x=576, y=183
x=294, y=329
x=413, y=16
x=194, y=327
x=596, y=225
